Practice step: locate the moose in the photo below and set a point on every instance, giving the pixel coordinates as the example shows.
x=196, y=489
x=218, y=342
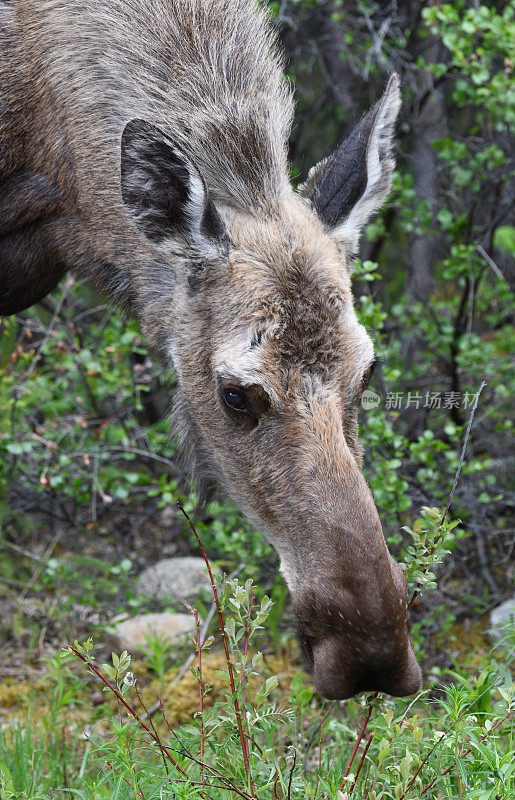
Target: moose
x=143, y=145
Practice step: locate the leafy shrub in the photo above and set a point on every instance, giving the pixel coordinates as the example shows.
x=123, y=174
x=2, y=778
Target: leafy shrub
x=238, y=747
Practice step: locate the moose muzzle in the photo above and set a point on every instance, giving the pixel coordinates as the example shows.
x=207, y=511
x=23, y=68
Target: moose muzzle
x=355, y=634
x=350, y=599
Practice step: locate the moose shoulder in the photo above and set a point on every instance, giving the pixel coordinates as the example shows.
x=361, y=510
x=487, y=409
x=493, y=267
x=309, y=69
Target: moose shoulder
x=143, y=145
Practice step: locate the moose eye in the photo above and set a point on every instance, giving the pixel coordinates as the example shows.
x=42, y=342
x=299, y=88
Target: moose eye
x=245, y=405
x=235, y=399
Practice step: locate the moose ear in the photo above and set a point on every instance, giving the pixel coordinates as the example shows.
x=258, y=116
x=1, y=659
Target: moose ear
x=348, y=187
x=164, y=191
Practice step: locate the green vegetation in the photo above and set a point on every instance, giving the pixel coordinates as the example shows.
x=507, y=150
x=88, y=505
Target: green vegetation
x=248, y=744
x=89, y=476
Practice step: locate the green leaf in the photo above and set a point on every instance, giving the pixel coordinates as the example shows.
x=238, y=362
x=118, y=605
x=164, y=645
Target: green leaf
x=8, y=329
x=504, y=238
x=16, y=448
x=222, y=674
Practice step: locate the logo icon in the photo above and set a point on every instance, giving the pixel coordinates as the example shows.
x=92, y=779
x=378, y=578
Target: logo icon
x=369, y=399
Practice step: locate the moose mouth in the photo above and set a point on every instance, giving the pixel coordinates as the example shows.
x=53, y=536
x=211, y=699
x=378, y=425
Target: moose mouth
x=350, y=647
x=339, y=675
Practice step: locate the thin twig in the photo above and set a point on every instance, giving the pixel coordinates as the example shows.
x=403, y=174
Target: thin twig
x=203, y=635
x=213, y=786
x=362, y=759
x=201, y=695
x=416, y=593
x=145, y=453
x=246, y=646
x=368, y=789
x=366, y=720
x=442, y=737
x=319, y=757
x=189, y=661
x=291, y=773
x=46, y=558
x=129, y=708
x=491, y=263
x=22, y=551
x=464, y=755
x=138, y=790
x=463, y=449
x=470, y=306
x=48, y=332
x=245, y=680
x=318, y=726
x=153, y=726
x=229, y=784
x=226, y=649
x=185, y=750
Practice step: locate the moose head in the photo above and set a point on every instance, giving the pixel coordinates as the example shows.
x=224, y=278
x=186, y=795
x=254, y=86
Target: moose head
x=259, y=322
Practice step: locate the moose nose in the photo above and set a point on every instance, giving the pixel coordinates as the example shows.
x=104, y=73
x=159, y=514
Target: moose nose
x=338, y=675
x=355, y=646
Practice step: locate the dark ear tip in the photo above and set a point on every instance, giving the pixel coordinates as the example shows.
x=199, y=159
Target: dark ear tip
x=136, y=127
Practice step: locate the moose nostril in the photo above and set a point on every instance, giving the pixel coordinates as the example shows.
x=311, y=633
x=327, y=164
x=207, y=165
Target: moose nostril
x=307, y=646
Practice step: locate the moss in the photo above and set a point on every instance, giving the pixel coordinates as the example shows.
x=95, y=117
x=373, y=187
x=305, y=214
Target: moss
x=181, y=699
x=469, y=642
x=14, y=694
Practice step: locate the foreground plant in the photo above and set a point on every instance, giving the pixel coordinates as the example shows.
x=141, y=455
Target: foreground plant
x=240, y=747
x=229, y=746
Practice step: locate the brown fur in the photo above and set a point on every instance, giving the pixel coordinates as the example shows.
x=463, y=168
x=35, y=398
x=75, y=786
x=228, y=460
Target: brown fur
x=143, y=145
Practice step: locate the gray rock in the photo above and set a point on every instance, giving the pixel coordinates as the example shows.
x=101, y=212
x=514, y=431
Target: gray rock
x=131, y=634
x=502, y=620
x=180, y=578
x=169, y=516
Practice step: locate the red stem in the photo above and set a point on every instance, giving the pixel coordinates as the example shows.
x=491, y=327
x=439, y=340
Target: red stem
x=444, y=734
x=246, y=647
x=463, y=755
x=125, y=779
x=352, y=756
x=361, y=762
x=149, y=717
x=201, y=696
x=219, y=775
x=226, y=649
x=215, y=786
x=245, y=651
x=129, y=708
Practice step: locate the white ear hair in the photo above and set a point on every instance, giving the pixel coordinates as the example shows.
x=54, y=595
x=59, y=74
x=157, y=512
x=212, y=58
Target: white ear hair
x=380, y=164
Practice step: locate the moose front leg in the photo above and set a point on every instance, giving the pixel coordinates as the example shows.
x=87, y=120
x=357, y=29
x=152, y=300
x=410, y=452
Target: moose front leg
x=28, y=272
